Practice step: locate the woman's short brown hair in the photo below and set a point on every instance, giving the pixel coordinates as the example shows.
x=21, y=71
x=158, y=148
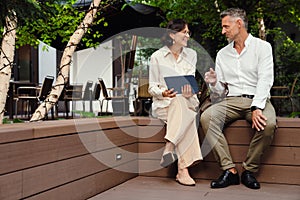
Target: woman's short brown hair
x=173, y=26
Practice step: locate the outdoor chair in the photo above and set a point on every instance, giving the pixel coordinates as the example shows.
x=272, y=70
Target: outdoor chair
x=45, y=91
x=33, y=96
x=116, y=95
x=71, y=93
x=283, y=93
x=96, y=94
x=87, y=95
x=143, y=100
x=27, y=97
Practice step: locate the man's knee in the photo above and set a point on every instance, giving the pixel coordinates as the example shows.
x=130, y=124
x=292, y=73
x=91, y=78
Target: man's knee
x=203, y=117
x=269, y=129
x=204, y=120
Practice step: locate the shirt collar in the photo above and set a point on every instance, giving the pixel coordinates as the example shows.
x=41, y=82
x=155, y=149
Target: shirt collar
x=168, y=51
x=247, y=41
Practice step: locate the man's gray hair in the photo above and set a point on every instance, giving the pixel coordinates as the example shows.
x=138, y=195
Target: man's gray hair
x=236, y=13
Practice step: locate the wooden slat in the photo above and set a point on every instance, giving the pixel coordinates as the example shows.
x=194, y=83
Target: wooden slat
x=287, y=137
x=11, y=186
x=53, y=128
x=49, y=176
x=16, y=156
x=274, y=155
x=282, y=156
x=147, y=121
x=20, y=155
x=152, y=168
x=45, y=177
x=13, y=133
x=210, y=170
x=282, y=137
x=89, y=186
x=151, y=134
x=60, y=127
x=279, y=174
x=288, y=122
x=151, y=150
x=281, y=122
x=234, y=135
x=24, y=131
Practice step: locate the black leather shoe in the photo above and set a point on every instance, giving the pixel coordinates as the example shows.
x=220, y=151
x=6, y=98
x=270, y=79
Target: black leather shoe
x=249, y=180
x=226, y=179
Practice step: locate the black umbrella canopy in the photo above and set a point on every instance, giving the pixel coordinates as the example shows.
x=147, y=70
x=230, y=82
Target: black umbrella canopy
x=119, y=19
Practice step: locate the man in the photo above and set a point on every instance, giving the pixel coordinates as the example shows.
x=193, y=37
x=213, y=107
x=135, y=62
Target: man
x=246, y=65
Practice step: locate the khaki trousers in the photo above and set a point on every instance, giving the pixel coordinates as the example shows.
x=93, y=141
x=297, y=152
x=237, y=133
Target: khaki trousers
x=216, y=117
x=182, y=129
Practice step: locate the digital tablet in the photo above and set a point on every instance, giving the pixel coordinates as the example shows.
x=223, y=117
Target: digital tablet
x=177, y=82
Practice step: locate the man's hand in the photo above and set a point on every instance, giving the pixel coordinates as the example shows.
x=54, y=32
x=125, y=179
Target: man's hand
x=186, y=91
x=258, y=120
x=169, y=93
x=211, y=77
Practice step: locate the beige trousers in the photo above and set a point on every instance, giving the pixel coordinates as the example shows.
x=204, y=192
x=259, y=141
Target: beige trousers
x=182, y=129
x=216, y=117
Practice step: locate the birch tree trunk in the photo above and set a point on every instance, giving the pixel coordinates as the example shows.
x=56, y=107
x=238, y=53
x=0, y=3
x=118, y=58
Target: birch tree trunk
x=7, y=57
x=262, y=29
x=63, y=75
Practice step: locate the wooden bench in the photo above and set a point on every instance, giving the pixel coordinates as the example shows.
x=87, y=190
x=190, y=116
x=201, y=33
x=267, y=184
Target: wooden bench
x=83, y=157
x=280, y=164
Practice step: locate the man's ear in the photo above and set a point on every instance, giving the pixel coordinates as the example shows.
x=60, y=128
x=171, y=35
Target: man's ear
x=240, y=22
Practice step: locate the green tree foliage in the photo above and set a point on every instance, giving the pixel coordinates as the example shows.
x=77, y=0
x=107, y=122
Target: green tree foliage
x=204, y=20
x=51, y=21
x=24, y=8
x=203, y=16
x=27, y=12
x=59, y=22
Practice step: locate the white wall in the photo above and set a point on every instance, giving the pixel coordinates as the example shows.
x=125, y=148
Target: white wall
x=91, y=64
x=46, y=61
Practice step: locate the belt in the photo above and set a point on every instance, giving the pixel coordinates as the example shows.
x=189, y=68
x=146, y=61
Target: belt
x=245, y=96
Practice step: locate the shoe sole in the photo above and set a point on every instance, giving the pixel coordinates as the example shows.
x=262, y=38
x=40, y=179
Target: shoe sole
x=216, y=187
x=247, y=185
x=167, y=159
x=254, y=188
x=232, y=183
x=184, y=183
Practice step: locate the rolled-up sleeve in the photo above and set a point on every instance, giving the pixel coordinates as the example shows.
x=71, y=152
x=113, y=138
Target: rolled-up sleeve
x=218, y=88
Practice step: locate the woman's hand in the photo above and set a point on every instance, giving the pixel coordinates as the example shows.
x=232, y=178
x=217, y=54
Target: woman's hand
x=186, y=91
x=169, y=93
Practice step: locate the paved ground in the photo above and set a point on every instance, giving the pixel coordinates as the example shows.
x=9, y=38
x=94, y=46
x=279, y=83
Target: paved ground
x=155, y=188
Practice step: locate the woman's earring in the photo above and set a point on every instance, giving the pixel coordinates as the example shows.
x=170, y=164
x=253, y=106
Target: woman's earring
x=173, y=41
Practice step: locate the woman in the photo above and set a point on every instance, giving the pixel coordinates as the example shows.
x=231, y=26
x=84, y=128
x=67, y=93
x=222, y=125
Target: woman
x=178, y=111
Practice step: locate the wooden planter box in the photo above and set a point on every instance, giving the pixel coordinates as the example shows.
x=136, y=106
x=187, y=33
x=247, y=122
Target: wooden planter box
x=79, y=158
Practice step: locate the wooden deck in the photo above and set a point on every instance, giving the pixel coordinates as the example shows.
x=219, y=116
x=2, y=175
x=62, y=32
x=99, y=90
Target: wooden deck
x=77, y=159
x=156, y=188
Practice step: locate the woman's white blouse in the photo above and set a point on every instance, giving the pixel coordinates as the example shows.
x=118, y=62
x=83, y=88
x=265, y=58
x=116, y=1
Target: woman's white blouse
x=163, y=63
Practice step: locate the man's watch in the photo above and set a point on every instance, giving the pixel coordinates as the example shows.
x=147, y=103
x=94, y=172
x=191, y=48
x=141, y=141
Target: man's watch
x=254, y=108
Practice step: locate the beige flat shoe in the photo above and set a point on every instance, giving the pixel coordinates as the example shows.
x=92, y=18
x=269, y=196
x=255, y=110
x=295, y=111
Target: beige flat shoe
x=187, y=181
